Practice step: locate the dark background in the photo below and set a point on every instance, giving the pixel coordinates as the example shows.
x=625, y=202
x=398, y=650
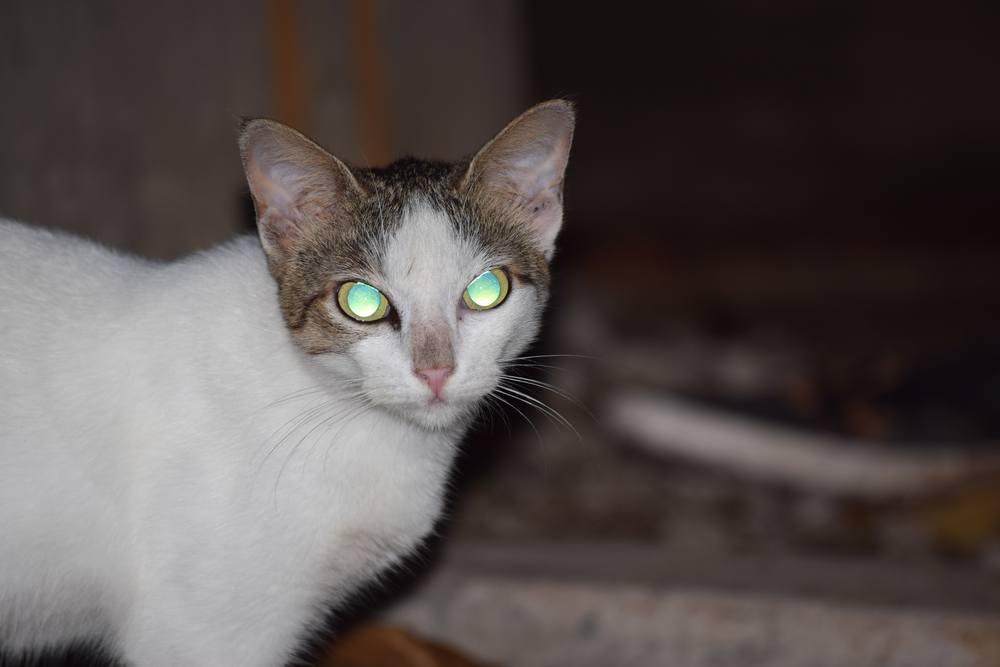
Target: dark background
x=838, y=156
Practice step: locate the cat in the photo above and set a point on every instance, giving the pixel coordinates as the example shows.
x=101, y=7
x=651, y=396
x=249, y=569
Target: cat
x=199, y=458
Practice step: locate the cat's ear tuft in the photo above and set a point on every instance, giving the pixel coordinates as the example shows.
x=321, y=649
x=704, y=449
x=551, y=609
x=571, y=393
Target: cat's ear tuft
x=297, y=187
x=525, y=164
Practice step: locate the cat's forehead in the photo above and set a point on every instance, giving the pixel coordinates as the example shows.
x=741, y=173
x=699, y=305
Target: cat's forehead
x=404, y=177
x=428, y=248
x=414, y=218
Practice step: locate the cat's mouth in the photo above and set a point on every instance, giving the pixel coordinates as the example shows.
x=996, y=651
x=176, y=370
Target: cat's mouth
x=436, y=412
x=437, y=404
x=434, y=405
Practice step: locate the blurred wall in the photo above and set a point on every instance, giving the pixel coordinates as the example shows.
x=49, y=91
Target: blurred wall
x=454, y=73
x=761, y=155
x=760, y=118
x=118, y=120
x=704, y=127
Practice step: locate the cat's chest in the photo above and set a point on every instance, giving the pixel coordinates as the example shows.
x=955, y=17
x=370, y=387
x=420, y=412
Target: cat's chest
x=389, y=498
x=374, y=495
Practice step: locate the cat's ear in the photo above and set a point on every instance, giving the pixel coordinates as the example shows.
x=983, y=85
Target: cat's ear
x=524, y=166
x=297, y=187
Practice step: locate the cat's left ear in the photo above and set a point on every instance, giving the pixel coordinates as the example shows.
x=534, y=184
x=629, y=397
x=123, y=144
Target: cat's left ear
x=297, y=187
x=525, y=164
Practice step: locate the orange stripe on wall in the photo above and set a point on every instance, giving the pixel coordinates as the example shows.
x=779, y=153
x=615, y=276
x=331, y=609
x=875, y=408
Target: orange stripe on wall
x=288, y=85
x=370, y=79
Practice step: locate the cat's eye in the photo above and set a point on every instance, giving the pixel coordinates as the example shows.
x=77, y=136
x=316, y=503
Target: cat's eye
x=487, y=290
x=362, y=302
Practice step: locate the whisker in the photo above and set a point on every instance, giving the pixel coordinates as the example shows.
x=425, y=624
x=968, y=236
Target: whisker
x=535, y=365
x=326, y=424
x=291, y=425
x=297, y=421
x=552, y=356
x=362, y=409
x=291, y=396
x=325, y=420
x=492, y=410
x=315, y=389
x=552, y=388
x=520, y=412
x=544, y=385
x=547, y=410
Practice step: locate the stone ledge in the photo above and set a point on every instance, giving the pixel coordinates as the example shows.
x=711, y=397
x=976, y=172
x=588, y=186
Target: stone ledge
x=528, y=618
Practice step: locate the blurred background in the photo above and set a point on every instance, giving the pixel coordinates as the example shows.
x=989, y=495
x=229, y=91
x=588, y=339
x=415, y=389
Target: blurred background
x=777, y=290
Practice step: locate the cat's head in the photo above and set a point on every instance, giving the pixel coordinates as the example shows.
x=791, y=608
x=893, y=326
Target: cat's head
x=412, y=284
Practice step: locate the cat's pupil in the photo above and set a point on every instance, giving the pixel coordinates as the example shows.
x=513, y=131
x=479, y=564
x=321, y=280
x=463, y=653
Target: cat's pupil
x=363, y=300
x=485, y=289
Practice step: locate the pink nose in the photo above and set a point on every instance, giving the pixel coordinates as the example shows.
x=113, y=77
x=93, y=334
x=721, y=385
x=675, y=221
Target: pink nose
x=434, y=378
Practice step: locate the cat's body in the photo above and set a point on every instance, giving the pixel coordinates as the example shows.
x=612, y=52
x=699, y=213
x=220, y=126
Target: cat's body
x=193, y=470
x=113, y=514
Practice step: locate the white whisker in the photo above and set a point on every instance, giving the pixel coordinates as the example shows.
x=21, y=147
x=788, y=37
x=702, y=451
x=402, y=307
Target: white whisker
x=545, y=409
x=520, y=412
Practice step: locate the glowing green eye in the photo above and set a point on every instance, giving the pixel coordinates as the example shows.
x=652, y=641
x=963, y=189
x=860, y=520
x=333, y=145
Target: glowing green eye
x=488, y=290
x=362, y=302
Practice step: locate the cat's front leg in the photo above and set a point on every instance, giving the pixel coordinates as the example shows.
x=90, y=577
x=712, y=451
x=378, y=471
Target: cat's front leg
x=168, y=635
x=156, y=648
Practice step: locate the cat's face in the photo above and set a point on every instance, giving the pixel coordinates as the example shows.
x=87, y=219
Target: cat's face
x=415, y=283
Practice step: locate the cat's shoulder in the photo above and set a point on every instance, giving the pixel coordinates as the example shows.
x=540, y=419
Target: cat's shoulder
x=34, y=250
x=36, y=260
x=32, y=242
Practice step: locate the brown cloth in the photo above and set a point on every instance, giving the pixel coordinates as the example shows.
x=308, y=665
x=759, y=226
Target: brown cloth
x=389, y=646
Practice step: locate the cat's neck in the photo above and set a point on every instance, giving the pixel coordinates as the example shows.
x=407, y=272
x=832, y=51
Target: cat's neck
x=241, y=378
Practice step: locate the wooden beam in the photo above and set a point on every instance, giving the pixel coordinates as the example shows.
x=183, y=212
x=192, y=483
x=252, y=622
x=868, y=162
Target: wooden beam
x=370, y=80
x=288, y=81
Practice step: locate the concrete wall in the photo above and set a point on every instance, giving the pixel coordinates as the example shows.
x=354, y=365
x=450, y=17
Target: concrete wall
x=118, y=119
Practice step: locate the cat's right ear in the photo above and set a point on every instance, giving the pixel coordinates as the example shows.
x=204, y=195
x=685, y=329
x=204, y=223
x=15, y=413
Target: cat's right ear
x=524, y=167
x=297, y=186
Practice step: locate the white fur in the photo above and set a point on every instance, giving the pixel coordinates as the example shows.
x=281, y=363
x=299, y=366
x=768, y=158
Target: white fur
x=162, y=485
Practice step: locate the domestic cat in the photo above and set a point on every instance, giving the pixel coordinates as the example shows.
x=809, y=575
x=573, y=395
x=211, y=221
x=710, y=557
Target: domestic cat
x=198, y=458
